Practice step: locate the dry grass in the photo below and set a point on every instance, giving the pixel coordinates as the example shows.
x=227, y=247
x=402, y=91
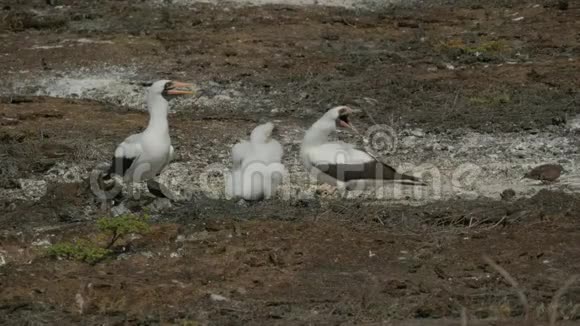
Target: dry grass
x=520, y=292
x=553, y=307
x=553, y=311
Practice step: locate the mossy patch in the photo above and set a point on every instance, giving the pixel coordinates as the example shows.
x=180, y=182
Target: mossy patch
x=485, y=51
x=490, y=100
x=81, y=250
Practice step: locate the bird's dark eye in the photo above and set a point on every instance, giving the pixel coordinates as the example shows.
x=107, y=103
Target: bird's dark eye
x=168, y=86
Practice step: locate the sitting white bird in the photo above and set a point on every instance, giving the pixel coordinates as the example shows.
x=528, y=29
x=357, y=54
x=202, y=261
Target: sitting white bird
x=257, y=171
x=339, y=163
x=142, y=156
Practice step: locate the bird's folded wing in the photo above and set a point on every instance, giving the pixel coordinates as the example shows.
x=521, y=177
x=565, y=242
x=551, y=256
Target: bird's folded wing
x=240, y=151
x=125, y=155
x=345, y=163
x=270, y=152
x=371, y=170
x=275, y=151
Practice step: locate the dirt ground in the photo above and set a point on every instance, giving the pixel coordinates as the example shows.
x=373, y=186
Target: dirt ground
x=445, y=68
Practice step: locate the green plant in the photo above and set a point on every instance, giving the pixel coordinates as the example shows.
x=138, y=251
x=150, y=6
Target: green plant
x=485, y=47
x=113, y=228
x=118, y=227
x=81, y=250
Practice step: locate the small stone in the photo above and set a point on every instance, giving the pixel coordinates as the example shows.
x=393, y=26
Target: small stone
x=559, y=121
x=11, y=207
x=123, y=256
x=242, y=291
x=545, y=172
x=180, y=238
x=242, y=203
x=508, y=194
x=41, y=243
x=409, y=141
x=119, y=210
x=159, y=204
x=223, y=98
x=147, y=254
x=417, y=133
x=196, y=236
x=217, y=297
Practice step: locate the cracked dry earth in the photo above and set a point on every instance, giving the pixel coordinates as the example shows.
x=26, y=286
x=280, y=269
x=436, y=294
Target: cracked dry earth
x=460, y=82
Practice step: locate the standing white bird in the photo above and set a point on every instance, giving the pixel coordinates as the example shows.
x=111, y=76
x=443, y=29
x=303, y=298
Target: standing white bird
x=142, y=156
x=339, y=163
x=257, y=170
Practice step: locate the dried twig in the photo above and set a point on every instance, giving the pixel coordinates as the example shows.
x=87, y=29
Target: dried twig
x=553, y=311
x=513, y=282
x=498, y=222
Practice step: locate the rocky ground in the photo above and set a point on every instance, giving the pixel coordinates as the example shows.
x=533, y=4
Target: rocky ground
x=467, y=94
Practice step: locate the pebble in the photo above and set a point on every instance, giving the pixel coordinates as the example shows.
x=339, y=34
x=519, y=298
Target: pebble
x=417, y=133
x=41, y=243
x=119, y=210
x=508, y=194
x=217, y=297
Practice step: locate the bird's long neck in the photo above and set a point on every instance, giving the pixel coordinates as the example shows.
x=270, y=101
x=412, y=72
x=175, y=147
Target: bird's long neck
x=319, y=132
x=158, y=108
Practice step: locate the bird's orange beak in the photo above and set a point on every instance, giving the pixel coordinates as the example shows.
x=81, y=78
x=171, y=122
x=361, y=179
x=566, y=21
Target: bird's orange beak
x=177, y=91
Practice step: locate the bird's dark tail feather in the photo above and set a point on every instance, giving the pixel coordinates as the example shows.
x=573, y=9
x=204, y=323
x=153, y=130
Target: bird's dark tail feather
x=156, y=189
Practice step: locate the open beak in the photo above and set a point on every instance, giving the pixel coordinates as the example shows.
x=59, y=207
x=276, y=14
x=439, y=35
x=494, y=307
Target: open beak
x=344, y=122
x=275, y=132
x=177, y=91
